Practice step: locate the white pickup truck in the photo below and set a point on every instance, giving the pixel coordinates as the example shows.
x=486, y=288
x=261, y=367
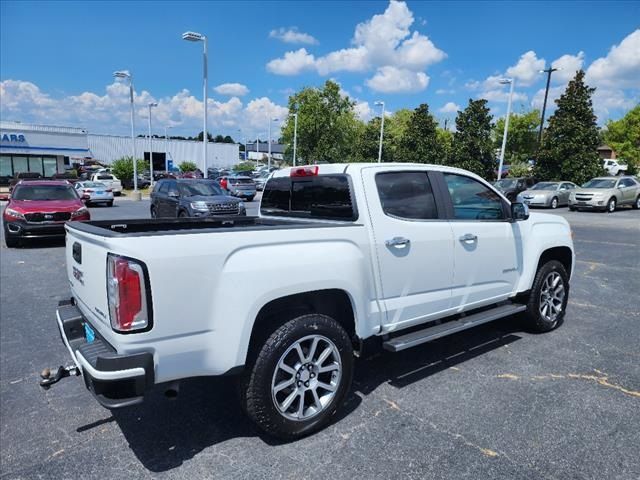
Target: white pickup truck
x=341, y=256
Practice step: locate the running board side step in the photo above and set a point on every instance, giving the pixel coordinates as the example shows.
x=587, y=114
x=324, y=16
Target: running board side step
x=413, y=339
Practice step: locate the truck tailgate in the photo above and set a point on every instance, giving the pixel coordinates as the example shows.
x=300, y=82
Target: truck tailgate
x=87, y=272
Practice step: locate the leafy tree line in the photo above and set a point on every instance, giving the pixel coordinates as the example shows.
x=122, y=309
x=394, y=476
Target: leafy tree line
x=329, y=131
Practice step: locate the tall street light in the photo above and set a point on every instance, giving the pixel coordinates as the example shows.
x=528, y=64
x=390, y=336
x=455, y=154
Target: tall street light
x=380, y=103
x=548, y=71
x=505, y=81
x=295, y=136
x=125, y=74
x=199, y=37
x=269, y=154
x=166, y=149
x=151, y=105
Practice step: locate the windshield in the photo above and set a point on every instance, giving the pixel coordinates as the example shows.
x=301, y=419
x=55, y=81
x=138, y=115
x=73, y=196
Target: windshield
x=105, y=177
x=190, y=189
x=545, y=186
x=505, y=183
x=600, y=183
x=237, y=180
x=44, y=192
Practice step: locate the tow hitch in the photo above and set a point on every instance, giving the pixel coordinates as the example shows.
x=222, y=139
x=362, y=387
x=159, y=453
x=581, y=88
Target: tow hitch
x=50, y=377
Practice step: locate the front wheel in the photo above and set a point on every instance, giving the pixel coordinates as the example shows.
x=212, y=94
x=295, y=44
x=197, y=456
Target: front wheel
x=548, y=298
x=11, y=241
x=299, y=377
x=611, y=205
x=183, y=214
x=572, y=208
x=554, y=202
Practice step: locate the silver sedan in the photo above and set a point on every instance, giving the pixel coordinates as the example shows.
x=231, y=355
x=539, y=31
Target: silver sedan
x=548, y=194
x=95, y=192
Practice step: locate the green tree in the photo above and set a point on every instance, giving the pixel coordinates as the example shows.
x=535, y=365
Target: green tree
x=245, y=167
x=199, y=137
x=419, y=143
x=568, y=150
x=122, y=168
x=624, y=137
x=326, y=124
x=188, y=167
x=445, y=141
x=522, y=137
x=395, y=127
x=472, y=148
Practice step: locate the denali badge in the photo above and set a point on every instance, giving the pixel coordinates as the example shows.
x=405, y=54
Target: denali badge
x=77, y=274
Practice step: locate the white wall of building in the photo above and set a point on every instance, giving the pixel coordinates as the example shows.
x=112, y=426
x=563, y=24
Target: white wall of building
x=107, y=148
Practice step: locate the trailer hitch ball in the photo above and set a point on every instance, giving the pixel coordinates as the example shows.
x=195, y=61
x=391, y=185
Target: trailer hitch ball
x=50, y=377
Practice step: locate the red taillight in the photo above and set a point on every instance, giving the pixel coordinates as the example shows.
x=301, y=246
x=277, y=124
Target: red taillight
x=109, y=190
x=304, y=171
x=88, y=190
x=126, y=290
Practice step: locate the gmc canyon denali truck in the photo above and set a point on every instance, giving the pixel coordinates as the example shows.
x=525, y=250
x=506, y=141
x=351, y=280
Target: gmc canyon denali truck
x=341, y=256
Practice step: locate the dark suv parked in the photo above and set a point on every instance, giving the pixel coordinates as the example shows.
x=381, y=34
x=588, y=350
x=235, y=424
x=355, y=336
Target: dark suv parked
x=186, y=197
x=511, y=187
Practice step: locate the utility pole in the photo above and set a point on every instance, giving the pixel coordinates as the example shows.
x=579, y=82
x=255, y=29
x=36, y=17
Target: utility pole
x=548, y=71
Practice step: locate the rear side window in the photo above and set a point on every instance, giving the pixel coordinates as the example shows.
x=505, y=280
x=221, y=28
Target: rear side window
x=406, y=195
x=324, y=197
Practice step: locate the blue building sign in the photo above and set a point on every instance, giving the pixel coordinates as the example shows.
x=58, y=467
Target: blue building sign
x=14, y=137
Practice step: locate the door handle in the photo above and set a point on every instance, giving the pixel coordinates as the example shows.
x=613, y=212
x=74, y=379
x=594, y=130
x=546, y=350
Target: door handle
x=397, y=242
x=468, y=238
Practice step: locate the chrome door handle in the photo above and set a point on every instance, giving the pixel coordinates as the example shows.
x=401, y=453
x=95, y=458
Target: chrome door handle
x=468, y=238
x=398, y=242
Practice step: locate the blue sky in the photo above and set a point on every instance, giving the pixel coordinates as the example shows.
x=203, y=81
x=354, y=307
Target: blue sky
x=57, y=58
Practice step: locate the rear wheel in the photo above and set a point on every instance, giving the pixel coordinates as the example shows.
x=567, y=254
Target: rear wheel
x=554, y=202
x=611, y=205
x=636, y=204
x=110, y=203
x=299, y=378
x=250, y=199
x=153, y=212
x=548, y=298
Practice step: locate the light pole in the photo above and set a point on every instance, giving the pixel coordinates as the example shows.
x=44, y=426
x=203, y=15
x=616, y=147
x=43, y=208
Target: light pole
x=295, y=136
x=269, y=154
x=380, y=103
x=548, y=71
x=122, y=74
x=166, y=150
x=199, y=37
x=151, y=105
x=504, y=81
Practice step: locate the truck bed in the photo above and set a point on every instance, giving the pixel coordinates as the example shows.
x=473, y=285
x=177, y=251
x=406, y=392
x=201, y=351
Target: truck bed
x=170, y=226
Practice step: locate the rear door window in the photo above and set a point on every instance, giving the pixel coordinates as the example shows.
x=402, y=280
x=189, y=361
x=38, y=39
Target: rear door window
x=406, y=195
x=323, y=197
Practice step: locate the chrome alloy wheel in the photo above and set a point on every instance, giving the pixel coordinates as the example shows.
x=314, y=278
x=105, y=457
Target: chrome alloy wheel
x=306, y=378
x=552, y=297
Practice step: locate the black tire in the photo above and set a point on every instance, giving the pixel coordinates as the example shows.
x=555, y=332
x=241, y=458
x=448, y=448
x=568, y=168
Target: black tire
x=153, y=212
x=552, y=204
x=256, y=383
x=110, y=204
x=183, y=214
x=11, y=241
x=117, y=194
x=636, y=204
x=249, y=199
x=534, y=318
x=611, y=205
x=572, y=209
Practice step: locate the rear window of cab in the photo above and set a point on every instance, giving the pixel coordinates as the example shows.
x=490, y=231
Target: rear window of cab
x=326, y=197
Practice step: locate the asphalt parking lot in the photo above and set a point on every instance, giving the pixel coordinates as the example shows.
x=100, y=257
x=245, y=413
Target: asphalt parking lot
x=494, y=402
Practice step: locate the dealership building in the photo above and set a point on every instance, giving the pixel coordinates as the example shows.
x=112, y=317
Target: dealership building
x=49, y=149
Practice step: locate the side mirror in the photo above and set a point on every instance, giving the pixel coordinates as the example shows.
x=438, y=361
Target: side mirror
x=519, y=212
x=174, y=193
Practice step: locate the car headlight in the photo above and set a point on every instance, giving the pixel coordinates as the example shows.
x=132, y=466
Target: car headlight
x=202, y=206
x=598, y=195
x=10, y=212
x=241, y=205
x=80, y=212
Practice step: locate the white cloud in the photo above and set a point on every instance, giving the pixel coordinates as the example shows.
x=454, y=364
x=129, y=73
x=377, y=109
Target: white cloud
x=394, y=80
x=450, y=107
x=606, y=100
x=527, y=70
x=109, y=113
x=384, y=43
x=363, y=111
x=292, y=63
x=502, y=95
x=567, y=66
x=292, y=35
x=235, y=89
x=444, y=91
x=620, y=68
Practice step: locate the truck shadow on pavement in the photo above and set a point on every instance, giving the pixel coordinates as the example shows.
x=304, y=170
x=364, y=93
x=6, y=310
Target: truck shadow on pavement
x=163, y=434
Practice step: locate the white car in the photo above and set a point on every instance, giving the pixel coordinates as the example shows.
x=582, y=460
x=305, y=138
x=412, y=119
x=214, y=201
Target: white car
x=95, y=192
x=343, y=258
x=110, y=180
x=614, y=168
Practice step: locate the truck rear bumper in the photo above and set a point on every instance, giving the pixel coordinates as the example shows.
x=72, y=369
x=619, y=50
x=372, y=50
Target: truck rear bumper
x=115, y=380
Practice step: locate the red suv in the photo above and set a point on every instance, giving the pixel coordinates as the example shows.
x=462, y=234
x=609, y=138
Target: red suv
x=40, y=209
